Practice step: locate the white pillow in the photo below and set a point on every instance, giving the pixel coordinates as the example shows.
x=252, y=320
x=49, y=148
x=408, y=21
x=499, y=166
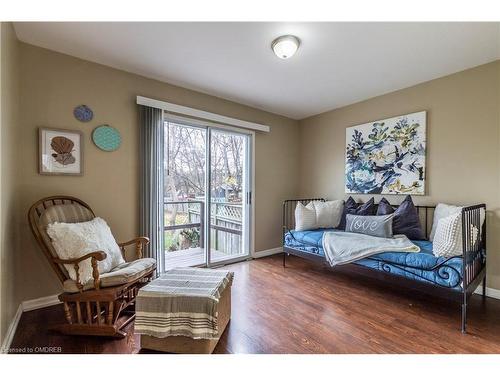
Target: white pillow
x=305, y=217
x=448, y=237
x=441, y=211
x=73, y=240
x=444, y=210
x=328, y=214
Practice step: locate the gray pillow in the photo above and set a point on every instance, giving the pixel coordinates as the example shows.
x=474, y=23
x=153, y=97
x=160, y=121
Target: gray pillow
x=378, y=226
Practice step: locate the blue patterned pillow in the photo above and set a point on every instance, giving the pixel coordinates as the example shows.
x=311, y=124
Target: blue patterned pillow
x=406, y=220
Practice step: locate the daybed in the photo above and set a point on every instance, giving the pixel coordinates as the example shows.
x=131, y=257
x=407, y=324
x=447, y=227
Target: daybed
x=454, y=278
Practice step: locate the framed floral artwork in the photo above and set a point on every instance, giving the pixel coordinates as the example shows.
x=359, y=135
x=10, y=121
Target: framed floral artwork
x=60, y=152
x=387, y=156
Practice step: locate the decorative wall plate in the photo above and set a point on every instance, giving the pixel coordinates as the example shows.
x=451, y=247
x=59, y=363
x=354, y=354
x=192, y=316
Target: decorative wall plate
x=83, y=113
x=106, y=138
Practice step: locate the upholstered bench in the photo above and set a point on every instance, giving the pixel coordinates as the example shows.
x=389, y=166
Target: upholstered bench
x=184, y=311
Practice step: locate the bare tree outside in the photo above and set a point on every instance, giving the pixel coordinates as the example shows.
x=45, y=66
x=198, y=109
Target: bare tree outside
x=185, y=169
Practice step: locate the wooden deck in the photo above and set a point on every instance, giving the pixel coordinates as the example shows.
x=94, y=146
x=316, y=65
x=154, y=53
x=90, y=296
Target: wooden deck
x=192, y=257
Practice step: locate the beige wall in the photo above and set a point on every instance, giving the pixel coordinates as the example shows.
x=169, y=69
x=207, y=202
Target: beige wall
x=52, y=84
x=9, y=93
x=463, y=144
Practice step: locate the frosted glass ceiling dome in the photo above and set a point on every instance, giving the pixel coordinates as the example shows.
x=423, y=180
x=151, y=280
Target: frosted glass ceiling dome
x=285, y=46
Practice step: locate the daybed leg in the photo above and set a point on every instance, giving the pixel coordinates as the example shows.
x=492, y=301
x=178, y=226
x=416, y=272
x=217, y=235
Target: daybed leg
x=484, y=287
x=464, y=318
x=464, y=314
x=284, y=259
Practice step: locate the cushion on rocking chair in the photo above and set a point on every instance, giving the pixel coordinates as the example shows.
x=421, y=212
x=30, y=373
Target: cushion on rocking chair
x=73, y=240
x=120, y=275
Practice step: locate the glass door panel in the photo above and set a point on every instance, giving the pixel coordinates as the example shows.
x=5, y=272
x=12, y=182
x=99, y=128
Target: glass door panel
x=207, y=195
x=229, y=195
x=185, y=195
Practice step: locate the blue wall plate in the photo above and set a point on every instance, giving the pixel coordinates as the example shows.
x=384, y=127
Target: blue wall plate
x=106, y=138
x=83, y=113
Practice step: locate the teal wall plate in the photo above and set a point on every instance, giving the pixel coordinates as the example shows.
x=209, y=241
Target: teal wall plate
x=106, y=138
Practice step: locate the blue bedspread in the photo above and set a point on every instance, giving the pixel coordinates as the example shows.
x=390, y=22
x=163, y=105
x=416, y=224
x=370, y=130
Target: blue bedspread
x=418, y=266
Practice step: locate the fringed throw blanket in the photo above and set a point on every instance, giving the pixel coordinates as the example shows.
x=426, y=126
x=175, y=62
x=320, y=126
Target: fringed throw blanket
x=182, y=302
x=345, y=247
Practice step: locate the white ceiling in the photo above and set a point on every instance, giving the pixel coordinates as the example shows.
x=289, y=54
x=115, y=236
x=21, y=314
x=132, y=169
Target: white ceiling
x=337, y=63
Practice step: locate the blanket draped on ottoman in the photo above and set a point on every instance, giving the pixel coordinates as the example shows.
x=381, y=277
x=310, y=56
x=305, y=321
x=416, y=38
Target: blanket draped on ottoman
x=182, y=302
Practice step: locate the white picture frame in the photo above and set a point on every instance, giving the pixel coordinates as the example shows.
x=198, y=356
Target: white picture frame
x=60, y=152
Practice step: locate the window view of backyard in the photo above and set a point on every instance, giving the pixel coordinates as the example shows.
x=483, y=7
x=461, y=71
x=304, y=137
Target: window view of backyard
x=185, y=165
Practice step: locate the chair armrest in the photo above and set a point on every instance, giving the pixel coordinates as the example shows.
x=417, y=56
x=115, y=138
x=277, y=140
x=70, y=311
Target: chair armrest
x=139, y=243
x=94, y=256
x=98, y=255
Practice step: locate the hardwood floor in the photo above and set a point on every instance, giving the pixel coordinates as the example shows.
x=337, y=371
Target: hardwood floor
x=306, y=308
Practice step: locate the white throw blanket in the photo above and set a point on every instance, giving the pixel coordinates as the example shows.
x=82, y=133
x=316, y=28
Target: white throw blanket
x=346, y=247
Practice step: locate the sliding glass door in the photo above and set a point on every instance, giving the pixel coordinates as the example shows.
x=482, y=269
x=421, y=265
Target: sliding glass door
x=229, y=195
x=185, y=195
x=207, y=194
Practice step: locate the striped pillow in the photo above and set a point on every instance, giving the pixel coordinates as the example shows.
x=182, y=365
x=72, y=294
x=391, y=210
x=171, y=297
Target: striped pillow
x=305, y=217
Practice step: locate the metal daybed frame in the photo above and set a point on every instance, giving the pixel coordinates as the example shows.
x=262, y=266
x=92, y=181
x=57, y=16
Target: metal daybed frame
x=473, y=268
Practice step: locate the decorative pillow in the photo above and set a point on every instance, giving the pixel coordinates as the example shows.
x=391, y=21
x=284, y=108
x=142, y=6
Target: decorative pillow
x=406, y=220
x=448, y=237
x=328, y=214
x=378, y=226
x=441, y=211
x=305, y=216
x=444, y=210
x=73, y=240
x=351, y=207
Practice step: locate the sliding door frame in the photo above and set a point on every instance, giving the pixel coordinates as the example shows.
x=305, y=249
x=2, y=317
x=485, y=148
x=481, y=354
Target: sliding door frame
x=249, y=199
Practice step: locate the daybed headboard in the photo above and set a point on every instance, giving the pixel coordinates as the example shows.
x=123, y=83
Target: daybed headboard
x=425, y=213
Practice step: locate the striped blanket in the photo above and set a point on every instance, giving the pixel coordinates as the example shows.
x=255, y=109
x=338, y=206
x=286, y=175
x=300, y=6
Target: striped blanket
x=182, y=302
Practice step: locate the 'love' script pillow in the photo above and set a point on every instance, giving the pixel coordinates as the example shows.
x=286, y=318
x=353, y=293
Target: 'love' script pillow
x=378, y=226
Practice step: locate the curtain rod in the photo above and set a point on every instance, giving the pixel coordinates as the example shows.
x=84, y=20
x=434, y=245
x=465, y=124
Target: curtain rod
x=175, y=108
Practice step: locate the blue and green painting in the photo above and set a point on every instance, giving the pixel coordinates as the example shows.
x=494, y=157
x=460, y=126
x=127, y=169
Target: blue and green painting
x=387, y=156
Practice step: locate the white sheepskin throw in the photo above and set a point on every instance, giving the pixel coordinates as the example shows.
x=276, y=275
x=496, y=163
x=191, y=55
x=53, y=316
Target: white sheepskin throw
x=73, y=240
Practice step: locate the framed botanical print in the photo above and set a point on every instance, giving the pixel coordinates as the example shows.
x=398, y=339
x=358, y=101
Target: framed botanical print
x=60, y=152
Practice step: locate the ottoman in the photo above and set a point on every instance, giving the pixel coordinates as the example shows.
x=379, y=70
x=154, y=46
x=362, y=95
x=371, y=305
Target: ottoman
x=185, y=310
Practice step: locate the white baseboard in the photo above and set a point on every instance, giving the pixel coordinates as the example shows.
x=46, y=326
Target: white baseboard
x=11, y=330
x=268, y=252
x=490, y=292
x=24, y=306
x=40, y=303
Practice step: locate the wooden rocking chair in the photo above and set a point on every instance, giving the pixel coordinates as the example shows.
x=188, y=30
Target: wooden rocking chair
x=105, y=305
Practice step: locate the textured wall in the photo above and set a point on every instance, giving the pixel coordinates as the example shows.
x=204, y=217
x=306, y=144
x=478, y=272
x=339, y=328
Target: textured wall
x=463, y=144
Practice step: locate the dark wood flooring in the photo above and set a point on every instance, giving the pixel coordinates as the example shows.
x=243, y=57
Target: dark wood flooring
x=306, y=308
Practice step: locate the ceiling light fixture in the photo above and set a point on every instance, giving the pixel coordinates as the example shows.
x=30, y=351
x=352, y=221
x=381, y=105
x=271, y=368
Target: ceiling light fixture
x=285, y=46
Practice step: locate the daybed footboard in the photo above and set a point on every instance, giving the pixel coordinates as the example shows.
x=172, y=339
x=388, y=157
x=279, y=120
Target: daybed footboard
x=474, y=253
x=473, y=259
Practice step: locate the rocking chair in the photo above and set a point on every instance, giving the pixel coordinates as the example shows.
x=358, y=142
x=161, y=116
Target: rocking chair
x=104, y=305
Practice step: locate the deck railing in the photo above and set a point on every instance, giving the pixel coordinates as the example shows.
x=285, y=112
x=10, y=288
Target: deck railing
x=226, y=223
